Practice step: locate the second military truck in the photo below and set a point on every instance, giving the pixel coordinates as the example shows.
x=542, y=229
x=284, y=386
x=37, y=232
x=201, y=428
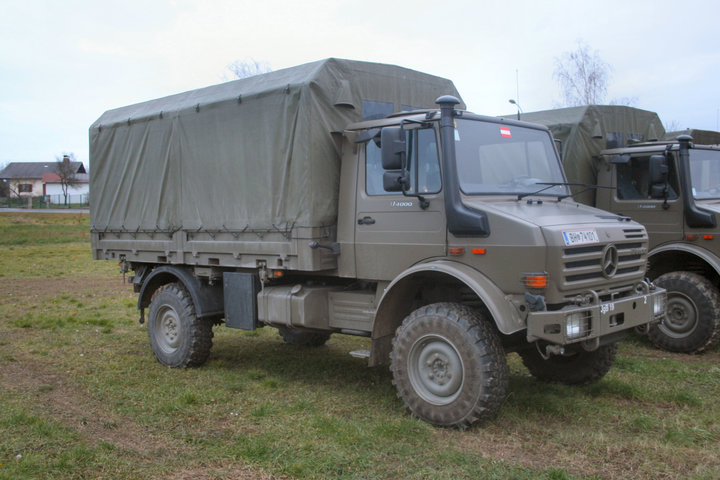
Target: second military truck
x=672, y=187
x=337, y=198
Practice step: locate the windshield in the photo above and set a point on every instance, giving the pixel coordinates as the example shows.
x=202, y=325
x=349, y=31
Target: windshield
x=705, y=173
x=493, y=158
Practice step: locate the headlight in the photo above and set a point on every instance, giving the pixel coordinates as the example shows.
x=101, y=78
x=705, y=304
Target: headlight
x=577, y=325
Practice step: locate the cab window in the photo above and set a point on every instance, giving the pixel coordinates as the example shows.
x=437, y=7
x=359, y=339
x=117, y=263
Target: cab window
x=633, y=180
x=423, y=163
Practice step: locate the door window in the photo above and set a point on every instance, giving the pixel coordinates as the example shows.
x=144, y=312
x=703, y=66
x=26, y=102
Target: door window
x=423, y=163
x=633, y=180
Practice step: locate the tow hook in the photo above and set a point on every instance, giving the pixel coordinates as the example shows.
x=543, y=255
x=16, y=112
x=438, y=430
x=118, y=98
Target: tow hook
x=550, y=350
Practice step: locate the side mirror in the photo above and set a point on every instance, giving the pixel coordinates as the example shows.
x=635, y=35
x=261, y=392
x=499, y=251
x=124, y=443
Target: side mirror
x=658, y=191
x=395, y=180
x=658, y=169
x=658, y=176
x=392, y=141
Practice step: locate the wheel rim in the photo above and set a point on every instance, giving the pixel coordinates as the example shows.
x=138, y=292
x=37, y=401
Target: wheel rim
x=681, y=318
x=167, y=329
x=436, y=369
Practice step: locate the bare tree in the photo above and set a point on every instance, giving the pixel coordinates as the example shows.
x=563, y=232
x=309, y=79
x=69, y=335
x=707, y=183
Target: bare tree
x=248, y=67
x=625, y=101
x=673, y=126
x=67, y=171
x=583, y=76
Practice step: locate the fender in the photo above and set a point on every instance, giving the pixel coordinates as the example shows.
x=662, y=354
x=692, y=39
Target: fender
x=208, y=300
x=390, y=311
x=701, y=253
x=505, y=315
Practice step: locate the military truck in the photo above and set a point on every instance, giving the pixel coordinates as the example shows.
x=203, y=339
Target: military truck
x=671, y=186
x=337, y=198
x=700, y=137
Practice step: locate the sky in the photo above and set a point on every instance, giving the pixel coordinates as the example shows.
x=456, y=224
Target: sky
x=63, y=63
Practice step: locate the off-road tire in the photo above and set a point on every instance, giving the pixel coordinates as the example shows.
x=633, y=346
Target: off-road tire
x=177, y=337
x=303, y=338
x=691, y=324
x=448, y=365
x=577, y=368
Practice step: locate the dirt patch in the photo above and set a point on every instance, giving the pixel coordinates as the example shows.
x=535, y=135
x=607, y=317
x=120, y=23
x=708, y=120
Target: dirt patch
x=214, y=472
x=64, y=401
x=611, y=461
x=51, y=287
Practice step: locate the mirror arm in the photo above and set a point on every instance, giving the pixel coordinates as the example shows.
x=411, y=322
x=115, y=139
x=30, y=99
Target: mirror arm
x=422, y=201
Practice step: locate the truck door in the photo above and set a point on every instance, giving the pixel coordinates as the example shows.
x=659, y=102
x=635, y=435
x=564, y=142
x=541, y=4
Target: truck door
x=392, y=231
x=662, y=219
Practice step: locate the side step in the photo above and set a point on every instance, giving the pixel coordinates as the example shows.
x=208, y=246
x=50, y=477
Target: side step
x=360, y=353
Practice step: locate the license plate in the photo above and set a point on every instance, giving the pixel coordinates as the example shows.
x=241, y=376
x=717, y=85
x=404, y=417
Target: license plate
x=580, y=237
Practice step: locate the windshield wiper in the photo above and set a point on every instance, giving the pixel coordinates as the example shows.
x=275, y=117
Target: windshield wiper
x=557, y=184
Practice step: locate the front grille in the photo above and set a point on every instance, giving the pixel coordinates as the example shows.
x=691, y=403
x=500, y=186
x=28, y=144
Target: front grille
x=582, y=266
x=634, y=233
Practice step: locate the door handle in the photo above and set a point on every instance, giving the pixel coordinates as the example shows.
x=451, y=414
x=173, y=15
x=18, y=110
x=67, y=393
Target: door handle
x=366, y=221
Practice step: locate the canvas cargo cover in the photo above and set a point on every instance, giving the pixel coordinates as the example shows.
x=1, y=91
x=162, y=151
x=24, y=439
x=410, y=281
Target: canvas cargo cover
x=587, y=130
x=255, y=153
x=700, y=137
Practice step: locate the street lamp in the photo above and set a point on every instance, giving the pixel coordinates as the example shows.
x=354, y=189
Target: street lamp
x=517, y=105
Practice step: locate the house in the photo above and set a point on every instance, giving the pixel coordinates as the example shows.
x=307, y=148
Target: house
x=53, y=186
x=33, y=179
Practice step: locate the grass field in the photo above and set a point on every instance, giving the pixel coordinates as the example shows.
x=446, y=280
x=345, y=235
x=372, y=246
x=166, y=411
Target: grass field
x=81, y=396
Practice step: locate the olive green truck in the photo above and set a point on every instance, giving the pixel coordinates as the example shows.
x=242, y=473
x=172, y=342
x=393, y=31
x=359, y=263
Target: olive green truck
x=666, y=182
x=344, y=197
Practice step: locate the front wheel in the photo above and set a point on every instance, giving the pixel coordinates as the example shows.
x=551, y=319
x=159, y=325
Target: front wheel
x=449, y=366
x=178, y=338
x=691, y=323
x=577, y=368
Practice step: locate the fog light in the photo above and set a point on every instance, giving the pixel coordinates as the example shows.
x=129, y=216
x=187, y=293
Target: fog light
x=659, y=306
x=576, y=325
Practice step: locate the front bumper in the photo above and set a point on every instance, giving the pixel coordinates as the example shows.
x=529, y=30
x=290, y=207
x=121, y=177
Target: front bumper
x=578, y=323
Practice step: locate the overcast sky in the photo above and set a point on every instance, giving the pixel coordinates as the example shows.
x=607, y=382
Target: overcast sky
x=63, y=63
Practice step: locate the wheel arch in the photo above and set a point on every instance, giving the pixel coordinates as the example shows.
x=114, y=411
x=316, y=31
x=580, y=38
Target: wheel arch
x=432, y=282
x=675, y=257
x=208, y=300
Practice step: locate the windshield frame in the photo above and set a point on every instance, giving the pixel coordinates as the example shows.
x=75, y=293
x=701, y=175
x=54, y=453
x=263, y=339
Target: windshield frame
x=486, y=138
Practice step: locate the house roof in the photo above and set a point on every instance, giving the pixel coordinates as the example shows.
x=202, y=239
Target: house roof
x=52, y=177
x=35, y=169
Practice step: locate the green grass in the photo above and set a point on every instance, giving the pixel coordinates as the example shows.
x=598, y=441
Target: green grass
x=81, y=396
x=43, y=228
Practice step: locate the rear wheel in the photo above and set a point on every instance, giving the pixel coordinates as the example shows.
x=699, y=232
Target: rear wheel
x=578, y=368
x=449, y=366
x=691, y=324
x=177, y=337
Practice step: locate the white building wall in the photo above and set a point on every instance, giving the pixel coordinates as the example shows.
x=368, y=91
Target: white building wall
x=56, y=189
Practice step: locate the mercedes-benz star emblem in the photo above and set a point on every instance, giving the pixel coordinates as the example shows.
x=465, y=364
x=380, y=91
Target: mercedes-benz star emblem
x=609, y=261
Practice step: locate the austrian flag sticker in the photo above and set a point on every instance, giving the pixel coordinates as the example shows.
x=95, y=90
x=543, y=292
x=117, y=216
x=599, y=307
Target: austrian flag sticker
x=505, y=132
